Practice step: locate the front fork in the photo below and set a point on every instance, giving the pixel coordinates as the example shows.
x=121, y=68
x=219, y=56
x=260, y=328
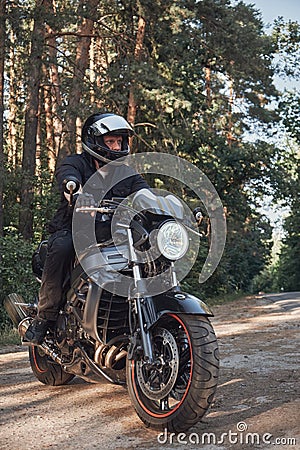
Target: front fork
x=139, y=298
x=145, y=334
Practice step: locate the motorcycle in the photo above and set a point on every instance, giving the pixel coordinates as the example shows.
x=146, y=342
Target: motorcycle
x=130, y=328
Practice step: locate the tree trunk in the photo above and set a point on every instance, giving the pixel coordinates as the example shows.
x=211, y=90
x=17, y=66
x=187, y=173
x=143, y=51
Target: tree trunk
x=2, y=56
x=50, y=143
x=101, y=64
x=81, y=64
x=92, y=71
x=132, y=105
x=31, y=122
x=12, y=115
x=55, y=99
x=208, y=85
x=230, y=137
x=208, y=97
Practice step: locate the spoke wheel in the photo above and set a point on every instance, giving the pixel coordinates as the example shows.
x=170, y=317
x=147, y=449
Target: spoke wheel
x=177, y=390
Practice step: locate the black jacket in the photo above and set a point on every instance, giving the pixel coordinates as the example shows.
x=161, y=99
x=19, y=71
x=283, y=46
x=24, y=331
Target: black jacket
x=120, y=181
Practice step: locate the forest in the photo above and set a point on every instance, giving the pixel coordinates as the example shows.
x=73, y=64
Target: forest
x=195, y=78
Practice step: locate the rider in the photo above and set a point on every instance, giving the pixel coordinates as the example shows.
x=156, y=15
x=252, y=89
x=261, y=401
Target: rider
x=105, y=138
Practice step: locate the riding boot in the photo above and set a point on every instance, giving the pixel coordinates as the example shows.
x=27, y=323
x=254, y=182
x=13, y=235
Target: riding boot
x=37, y=330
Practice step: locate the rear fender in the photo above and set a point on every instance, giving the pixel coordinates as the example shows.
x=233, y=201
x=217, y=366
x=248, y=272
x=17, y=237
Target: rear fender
x=172, y=302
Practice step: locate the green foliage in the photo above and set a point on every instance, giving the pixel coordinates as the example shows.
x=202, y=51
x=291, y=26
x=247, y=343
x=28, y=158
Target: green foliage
x=9, y=336
x=288, y=271
x=46, y=202
x=290, y=108
x=287, y=38
x=265, y=281
x=15, y=270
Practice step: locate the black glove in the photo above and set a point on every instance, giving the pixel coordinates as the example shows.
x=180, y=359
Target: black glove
x=84, y=200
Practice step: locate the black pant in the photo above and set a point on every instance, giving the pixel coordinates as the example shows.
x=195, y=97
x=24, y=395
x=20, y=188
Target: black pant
x=60, y=253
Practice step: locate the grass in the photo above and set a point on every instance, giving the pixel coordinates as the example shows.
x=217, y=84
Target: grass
x=226, y=298
x=9, y=336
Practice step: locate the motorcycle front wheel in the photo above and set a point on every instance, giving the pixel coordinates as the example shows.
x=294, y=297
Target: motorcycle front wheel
x=46, y=370
x=176, y=391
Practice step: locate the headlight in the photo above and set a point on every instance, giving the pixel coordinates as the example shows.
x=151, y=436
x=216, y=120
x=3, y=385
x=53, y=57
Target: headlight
x=172, y=240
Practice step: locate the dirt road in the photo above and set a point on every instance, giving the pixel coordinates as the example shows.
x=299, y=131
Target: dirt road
x=256, y=404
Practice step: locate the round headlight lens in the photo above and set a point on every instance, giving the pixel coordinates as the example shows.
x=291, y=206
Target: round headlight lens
x=172, y=240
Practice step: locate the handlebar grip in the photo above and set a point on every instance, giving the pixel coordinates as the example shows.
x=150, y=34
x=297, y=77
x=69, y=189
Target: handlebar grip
x=198, y=214
x=71, y=185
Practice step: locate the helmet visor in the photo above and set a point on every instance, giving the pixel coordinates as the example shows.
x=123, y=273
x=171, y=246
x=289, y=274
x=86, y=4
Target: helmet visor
x=111, y=124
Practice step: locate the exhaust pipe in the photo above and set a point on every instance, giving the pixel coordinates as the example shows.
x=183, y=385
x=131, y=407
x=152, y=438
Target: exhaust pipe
x=16, y=309
x=24, y=325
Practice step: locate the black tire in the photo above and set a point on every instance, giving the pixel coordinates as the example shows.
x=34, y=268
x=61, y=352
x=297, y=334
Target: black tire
x=46, y=370
x=187, y=390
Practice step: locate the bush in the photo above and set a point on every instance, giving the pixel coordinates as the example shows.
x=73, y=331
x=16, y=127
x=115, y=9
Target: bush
x=266, y=281
x=15, y=270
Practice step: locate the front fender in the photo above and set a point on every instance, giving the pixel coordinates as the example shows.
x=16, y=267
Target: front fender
x=172, y=302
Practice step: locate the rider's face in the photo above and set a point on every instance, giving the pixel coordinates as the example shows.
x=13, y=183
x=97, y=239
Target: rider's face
x=113, y=142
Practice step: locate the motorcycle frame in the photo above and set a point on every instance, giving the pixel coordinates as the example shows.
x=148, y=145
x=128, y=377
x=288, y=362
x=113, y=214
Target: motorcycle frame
x=148, y=309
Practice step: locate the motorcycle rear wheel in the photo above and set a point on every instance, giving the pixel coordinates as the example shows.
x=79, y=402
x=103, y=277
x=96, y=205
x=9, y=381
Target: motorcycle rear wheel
x=46, y=370
x=176, y=395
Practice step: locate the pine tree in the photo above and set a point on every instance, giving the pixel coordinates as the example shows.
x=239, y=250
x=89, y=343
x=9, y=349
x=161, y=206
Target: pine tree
x=288, y=270
x=31, y=120
x=2, y=56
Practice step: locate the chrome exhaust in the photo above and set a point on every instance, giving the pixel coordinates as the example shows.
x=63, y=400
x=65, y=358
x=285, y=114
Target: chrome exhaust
x=16, y=308
x=24, y=325
x=114, y=355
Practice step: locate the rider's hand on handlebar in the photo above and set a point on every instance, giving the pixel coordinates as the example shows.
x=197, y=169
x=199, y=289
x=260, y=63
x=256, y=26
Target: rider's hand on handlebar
x=84, y=200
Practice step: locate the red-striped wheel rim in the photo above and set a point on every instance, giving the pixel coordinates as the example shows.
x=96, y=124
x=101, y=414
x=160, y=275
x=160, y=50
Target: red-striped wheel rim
x=34, y=349
x=151, y=413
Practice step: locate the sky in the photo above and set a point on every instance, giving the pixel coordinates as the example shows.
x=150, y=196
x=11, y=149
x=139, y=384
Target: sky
x=271, y=9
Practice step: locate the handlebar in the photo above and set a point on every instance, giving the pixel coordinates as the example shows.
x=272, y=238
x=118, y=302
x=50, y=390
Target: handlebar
x=107, y=210
x=103, y=209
